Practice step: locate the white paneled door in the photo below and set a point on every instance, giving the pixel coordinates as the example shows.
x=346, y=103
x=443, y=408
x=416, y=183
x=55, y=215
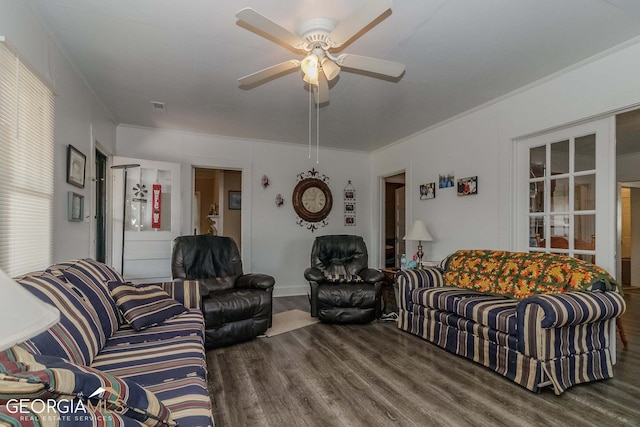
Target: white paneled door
x=565, y=193
x=148, y=207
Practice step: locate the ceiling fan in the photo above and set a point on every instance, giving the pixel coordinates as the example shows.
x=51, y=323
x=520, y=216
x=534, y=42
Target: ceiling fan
x=318, y=38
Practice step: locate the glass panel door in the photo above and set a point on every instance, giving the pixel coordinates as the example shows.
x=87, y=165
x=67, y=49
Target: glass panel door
x=569, y=204
x=563, y=217
x=142, y=239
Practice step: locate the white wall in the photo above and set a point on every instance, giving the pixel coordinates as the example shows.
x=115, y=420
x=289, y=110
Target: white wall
x=79, y=119
x=272, y=242
x=479, y=143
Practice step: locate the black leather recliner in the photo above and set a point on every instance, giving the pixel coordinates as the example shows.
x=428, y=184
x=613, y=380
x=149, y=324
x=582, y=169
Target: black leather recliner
x=237, y=307
x=343, y=288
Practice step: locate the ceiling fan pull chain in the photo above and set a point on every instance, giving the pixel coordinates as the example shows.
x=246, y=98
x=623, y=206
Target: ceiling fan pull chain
x=318, y=126
x=310, y=103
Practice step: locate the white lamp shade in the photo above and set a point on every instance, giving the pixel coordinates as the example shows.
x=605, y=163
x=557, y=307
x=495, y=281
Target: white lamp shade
x=330, y=68
x=418, y=232
x=22, y=314
x=309, y=64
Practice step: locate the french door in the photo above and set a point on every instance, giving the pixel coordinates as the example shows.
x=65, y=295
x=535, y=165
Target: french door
x=565, y=193
x=148, y=207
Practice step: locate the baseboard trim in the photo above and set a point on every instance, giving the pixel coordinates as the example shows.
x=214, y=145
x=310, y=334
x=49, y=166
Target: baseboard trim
x=290, y=291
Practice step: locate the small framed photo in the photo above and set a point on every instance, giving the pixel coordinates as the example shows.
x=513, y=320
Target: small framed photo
x=76, y=164
x=428, y=191
x=235, y=200
x=446, y=181
x=75, y=207
x=350, y=207
x=468, y=186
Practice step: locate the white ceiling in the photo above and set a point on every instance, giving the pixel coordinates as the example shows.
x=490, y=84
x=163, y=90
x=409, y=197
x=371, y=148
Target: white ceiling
x=459, y=54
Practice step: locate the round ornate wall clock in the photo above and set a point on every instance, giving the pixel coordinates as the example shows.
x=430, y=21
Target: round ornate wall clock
x=312, y=200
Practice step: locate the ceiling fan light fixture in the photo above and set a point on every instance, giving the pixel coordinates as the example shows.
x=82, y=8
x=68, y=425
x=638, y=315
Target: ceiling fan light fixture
x=311, y=78
x=309, y=65
x=330, y=68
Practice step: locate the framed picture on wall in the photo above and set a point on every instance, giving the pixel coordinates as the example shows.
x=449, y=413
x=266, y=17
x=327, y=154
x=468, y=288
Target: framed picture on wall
x=428, y=191
x=235, y=200
x=468, y=186
x=75, y=207
x=76, y=162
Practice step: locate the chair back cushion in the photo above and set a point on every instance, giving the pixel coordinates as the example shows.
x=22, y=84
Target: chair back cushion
x=339, y=255
x=213, y=260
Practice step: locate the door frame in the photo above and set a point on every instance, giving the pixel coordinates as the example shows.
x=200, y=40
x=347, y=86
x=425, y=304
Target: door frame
x=605, y=182
x=382, y=211
x=96, y=146
x=188, y=176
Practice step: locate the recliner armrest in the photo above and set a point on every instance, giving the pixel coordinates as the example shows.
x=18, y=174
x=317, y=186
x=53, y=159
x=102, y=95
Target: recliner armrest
x=371, y=275
x=255, y=281
x=313, y=274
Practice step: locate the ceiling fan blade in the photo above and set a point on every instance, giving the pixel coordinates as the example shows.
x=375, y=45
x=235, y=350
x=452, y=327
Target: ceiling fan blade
x=373, y=65
x=321, y=92
x=261, y=75
x=266, y=25
x=351, y=26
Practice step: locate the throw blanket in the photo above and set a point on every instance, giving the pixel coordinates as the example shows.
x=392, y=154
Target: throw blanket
x=522, y=274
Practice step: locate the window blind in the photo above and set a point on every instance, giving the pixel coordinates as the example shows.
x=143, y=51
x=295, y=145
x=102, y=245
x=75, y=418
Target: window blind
x=26, y=166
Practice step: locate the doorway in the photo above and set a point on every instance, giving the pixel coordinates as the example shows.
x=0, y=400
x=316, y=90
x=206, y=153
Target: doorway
x=101, y=206
x=217, y=203
x=394, y=219
x=628, y=178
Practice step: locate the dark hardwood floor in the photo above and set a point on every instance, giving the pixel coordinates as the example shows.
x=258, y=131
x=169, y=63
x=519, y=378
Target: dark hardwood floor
x=378, y=375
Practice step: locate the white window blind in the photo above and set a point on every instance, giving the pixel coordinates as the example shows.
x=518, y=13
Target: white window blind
x=26, y=166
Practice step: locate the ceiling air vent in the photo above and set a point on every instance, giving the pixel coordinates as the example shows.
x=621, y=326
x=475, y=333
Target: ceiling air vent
x=159, y=107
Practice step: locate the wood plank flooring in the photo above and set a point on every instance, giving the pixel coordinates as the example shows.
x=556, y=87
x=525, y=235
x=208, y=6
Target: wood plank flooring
x=378, y=375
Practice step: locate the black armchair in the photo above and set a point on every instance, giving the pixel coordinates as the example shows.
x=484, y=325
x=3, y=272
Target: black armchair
x=236, y=306
x=343, y=288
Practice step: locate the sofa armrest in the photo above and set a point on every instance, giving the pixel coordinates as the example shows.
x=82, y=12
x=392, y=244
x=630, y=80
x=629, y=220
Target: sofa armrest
x=554, y=326
x=573, y=308
x=255, y=281
x=187, y=292
x=408, y=280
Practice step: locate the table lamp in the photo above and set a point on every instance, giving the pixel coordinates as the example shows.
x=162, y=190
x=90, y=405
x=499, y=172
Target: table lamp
x=22, y=314
x=419, y=232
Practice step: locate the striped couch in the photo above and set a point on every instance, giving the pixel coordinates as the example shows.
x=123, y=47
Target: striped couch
x=161, y=365
x=538, y=319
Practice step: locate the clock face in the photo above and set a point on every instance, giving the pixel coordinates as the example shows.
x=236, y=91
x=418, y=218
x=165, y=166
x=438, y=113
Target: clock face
x=312, y=199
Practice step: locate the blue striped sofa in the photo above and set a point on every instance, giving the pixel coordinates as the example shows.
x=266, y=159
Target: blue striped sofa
x=537, y=319
x=165, y=362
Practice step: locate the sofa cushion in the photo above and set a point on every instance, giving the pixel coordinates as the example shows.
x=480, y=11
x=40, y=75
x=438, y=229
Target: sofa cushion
x=78, y=336
x=494, y=312
x=90, y=277
x=23, y=375
x=144, y=306
x=172, y=349
x=168, y=360
x=521, y=274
